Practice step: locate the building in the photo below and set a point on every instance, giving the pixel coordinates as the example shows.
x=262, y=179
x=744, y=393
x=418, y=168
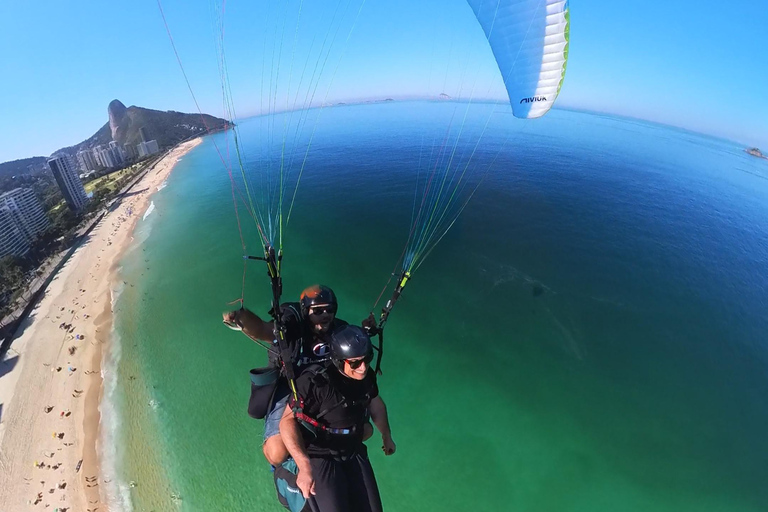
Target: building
x=97, y=156
x=131, y=152
x=64, y=171
x=104, y=156
x=107, y=159
x=110, y=156
x=87, y=161
x=118, y=156
x=148, y=148
x=12, y=239
x=26, y=210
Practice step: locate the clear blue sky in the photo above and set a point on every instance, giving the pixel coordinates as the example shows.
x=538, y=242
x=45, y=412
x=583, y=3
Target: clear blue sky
x=697, y=65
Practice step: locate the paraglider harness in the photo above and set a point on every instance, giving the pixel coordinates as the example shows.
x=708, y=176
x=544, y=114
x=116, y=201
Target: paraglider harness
x=265, y=381
x=297, y=403
x=285, y=475
x=313, y=424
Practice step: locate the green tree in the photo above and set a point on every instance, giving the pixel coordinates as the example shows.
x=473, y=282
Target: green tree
x=11, y=273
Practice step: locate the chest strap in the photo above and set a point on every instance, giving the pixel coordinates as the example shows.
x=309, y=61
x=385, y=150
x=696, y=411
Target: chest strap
x=308, y=422
x=312, y=424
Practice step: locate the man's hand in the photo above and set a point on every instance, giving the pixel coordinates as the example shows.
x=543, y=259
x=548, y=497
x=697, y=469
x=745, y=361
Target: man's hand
x=388, y=445
x=369, y=324
x=250, y=323
x=230, y=320
x=306, y=481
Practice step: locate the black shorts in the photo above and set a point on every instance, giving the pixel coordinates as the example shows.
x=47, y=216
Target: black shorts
x=344, y=486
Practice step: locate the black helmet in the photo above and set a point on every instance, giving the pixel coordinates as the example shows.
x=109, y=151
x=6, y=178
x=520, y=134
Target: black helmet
x=317, y=295
x=349, y=342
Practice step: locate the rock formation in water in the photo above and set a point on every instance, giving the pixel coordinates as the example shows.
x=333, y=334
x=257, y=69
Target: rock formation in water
x=756, y=152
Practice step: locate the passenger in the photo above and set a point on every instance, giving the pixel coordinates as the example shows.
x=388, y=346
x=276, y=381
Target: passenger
x=324, y=431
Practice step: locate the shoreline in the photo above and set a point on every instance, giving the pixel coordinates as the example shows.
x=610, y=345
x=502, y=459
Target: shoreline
x=52, y=380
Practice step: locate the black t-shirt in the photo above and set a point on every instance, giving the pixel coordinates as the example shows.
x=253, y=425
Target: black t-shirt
x=307, y=346
x=338, y=402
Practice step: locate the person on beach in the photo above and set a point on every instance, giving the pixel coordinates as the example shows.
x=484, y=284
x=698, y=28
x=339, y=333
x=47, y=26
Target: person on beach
x=308, y=325
x=325, y=430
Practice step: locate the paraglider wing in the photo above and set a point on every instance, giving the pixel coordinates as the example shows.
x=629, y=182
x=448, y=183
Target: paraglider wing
x=529, y=39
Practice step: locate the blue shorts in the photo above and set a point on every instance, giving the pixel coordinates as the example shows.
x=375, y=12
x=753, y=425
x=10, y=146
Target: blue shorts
x=272, y=421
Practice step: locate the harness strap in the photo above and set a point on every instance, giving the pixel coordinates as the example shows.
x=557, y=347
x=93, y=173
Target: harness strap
x=304, y=419
x=312, y=424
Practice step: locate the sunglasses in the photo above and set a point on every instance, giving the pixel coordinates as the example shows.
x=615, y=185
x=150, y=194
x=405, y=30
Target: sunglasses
x=357, y=363
x=321, y=310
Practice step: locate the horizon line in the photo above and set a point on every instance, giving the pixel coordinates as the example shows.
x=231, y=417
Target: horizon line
x=430, y=98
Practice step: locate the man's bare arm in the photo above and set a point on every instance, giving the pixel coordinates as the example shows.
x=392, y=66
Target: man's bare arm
x=294, y=443
x=250, y=323
x=289, y=431
x=380, y=418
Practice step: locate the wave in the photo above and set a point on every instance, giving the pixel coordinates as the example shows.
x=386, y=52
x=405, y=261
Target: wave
x=115, y=292
x=149, y=210
x=117, y=493
x=162, y=185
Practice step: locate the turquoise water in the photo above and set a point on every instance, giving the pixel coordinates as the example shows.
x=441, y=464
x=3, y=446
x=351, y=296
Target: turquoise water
x=634, y=382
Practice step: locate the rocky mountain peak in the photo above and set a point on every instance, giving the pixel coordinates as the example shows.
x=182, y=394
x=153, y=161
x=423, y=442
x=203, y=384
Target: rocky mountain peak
x=117, y=124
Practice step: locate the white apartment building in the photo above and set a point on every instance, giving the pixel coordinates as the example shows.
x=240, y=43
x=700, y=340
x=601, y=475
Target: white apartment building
x=12, y=239
x=69, y=182
x=26, y=211
x=118, y=155
x=148, y=148
x=87, y=161
x=97, y=156
x=130, y=152
x=107, y=159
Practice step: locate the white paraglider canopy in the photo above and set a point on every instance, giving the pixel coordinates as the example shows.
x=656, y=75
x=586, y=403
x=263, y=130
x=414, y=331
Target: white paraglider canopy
x=529, y=39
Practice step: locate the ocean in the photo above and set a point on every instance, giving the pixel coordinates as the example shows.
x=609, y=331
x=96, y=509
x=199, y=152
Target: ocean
x=589, y=336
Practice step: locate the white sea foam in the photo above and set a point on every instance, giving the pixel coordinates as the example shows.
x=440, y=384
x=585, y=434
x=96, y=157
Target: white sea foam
x=162, y=185
x=140, y=235
x=115, y=292
x=149, y=210
x=117, y=494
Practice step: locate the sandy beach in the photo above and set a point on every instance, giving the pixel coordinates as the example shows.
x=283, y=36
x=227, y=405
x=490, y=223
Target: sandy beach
x=51, y=378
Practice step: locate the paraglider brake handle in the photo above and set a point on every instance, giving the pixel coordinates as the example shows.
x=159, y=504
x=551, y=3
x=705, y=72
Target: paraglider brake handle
x=270, y=255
